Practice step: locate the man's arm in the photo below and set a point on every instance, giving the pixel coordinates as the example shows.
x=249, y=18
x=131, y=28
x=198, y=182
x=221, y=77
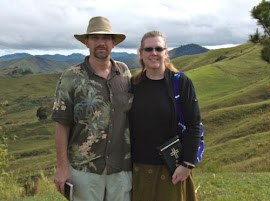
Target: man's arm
x=62, y=173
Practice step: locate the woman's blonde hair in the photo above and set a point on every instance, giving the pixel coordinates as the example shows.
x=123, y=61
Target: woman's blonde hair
x=168, y=63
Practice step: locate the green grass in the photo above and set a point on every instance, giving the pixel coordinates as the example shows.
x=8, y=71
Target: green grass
x=240, y=60
x=225, y=186
x=215, y=81
x=233, y=94
x=233, y=186
x=51, y=196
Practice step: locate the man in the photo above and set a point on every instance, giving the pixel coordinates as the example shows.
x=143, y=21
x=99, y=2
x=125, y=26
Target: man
x=90, y=110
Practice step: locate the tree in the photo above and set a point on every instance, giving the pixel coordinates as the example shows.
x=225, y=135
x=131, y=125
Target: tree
x=255, y=38
x=42, y=113
x=261, y=13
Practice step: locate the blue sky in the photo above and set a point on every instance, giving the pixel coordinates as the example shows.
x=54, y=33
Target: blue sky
x=40, y=27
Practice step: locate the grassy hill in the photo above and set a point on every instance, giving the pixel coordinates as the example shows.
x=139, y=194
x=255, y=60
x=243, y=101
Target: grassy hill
x=36, y=64
x=189, y=49
x=233, y=88
x=33, y=148
x=234, y=95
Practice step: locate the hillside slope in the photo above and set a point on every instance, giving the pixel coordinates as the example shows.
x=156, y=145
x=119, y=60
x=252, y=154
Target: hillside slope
x=233, y=88
x=242, y=72
x=36, y=64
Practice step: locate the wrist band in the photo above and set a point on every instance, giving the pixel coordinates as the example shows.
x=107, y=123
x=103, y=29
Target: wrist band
x=187, y=166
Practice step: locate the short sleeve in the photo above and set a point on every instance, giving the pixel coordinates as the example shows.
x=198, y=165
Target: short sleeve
x=63, y=100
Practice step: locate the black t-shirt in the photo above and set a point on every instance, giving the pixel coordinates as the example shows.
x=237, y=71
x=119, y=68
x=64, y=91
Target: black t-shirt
x=151, y=117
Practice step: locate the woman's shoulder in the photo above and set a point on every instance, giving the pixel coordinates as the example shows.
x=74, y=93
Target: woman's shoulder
x=182, y=76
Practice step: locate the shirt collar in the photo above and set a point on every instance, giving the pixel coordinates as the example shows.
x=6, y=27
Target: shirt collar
x=114, y=68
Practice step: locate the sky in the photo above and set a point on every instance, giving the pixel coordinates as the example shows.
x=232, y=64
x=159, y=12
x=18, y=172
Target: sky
x=48, y=26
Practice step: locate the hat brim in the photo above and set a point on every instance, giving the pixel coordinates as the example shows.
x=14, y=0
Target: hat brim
x=118, y=37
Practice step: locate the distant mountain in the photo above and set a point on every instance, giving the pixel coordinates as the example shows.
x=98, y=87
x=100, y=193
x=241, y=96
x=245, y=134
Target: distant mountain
x=41, y=63
x=57, y=63
x=73, y=58
x=36, y=64
x=123, y=56
x=14, y=56
x=189, y=49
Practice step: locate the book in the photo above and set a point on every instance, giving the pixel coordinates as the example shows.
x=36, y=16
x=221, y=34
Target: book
x=69, y=191
x=171, y=153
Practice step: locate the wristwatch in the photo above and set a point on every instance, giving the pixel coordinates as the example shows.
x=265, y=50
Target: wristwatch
x=187, y=166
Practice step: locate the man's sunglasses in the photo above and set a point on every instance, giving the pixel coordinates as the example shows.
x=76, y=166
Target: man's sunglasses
x=150, y=49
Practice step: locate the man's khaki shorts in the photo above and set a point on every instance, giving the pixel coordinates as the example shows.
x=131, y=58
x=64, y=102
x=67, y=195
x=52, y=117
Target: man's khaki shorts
x=95, y=187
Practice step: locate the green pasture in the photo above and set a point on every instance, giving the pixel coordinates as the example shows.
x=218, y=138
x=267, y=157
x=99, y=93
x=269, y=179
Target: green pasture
x=226, y=186
x=233, y=88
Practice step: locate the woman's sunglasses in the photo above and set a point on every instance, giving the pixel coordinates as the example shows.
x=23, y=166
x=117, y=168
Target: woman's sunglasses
x=150, y=49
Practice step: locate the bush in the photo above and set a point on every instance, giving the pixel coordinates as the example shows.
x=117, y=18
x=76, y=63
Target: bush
x=266, y=54
x=221, y=58
x=256, y=37
x=5, y=157
x=42, y=113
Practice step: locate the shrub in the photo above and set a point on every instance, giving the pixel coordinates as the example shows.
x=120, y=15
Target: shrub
x=221, y=58
x=266, y=54
x=5, y=157
x=42, y=113
x=256, y=37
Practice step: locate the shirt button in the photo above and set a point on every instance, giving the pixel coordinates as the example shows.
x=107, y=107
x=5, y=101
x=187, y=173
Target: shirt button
x=109, y=141
x=107, y=157
x=112, y=110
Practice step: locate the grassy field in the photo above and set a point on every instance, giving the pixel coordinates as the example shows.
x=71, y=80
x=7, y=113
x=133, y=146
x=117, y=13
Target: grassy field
x=226, y=186
x=233, y=186
x=233, y=88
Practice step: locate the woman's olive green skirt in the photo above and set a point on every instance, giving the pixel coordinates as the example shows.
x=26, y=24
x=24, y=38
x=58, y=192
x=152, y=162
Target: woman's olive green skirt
x=154, y=183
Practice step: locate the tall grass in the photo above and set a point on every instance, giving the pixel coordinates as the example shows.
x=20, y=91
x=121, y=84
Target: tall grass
x=40, y=188
x=233, y=186
x=210, y=186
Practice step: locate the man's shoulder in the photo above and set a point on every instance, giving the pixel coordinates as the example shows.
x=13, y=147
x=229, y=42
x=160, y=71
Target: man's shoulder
x=121, y=65
x=122, y=68
x=77, y=68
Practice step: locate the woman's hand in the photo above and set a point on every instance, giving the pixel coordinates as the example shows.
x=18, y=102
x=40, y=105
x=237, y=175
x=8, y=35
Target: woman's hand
x=180, y=174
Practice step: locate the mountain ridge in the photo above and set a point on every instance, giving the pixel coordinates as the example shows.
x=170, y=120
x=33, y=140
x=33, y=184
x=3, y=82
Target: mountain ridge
x=189, y=49
x=233, y=95
x=58, y=62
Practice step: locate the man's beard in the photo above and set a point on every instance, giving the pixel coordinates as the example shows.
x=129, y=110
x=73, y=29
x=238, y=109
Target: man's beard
x=101, y=56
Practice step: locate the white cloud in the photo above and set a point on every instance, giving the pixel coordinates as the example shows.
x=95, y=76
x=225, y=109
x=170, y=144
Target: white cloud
x=50, y=25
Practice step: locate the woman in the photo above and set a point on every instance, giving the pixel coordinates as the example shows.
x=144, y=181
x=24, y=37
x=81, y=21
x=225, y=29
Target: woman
x=153, y=120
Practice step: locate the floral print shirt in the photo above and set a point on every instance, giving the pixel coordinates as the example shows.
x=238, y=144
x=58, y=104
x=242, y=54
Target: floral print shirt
x=96, y=110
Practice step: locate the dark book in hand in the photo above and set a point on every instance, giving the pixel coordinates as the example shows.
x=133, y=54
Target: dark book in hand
x=69, y=191
x=171, y=153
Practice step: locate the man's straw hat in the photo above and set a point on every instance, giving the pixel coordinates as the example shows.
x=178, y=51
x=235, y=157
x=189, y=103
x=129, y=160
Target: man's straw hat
x=100, y=25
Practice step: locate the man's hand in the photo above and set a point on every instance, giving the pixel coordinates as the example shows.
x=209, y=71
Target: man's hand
x=60, y=177
x=62, y=173
x=180, y=174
